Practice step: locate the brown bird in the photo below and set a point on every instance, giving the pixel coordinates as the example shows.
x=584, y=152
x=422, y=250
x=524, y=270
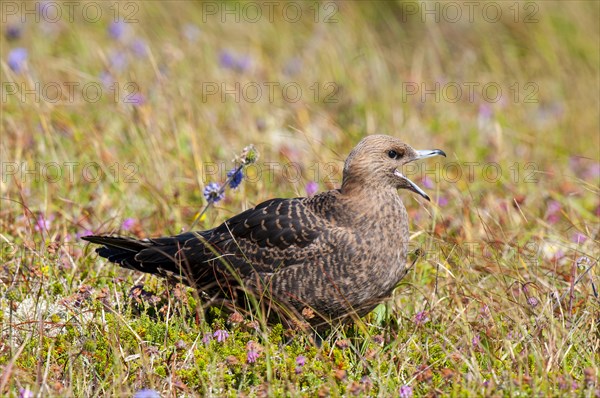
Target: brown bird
x=319, y=259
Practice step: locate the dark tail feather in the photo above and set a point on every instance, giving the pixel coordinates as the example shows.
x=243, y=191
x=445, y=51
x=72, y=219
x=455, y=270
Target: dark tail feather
x=119, y=250
x=157, y=256
x=118, y=242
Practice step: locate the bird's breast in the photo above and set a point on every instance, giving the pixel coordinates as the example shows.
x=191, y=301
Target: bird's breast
x=380, y=257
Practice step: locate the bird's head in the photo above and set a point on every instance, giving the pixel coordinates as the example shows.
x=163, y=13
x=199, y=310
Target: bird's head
x=377, y=161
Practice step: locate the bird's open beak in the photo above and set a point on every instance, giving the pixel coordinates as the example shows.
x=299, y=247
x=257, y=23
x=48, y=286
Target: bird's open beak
x=423, y=154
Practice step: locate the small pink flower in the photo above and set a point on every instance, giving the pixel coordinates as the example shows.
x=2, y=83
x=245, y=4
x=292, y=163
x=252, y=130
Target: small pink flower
x=146, y=393
x=532, y=301
x=578, y=238
x=485, y=111
x=207, y=338
x=553, y=212
x=128, y=223
x=252, y=352
x=43, y=223
x=553, y=207
x=593, y=171
x=427, y=183
x=406, y=391
x=311, y=188
x=559, y=254
x=485, y=310
x=252, y=356
x=85, y=232
x=25, y=393
x=221, y=335
x=136, y=99
x=421, y=318
x=300, y=360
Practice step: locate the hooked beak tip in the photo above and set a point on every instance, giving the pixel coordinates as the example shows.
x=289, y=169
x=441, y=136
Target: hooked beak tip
x=427, y=153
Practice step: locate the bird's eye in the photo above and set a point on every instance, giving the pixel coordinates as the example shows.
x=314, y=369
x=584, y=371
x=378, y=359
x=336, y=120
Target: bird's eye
x=393, y=154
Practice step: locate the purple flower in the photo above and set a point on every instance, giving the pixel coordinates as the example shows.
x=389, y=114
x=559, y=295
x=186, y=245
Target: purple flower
x=13, y=31
x=136, y=99
x=553, y=218
x=427, y=183
x=43, y=223
x=243, y=63
x=237, y=62
x=146, y=393
x=485, y=112
x=559, y=254
x=251, y=356
x=532, y=301
x=421, y=318
x=212, y=192
x=227, y=59
x=475, y=340
x=562, y=383
x=406, y=391
x=206, y=338
x=139, y=47
x=442, y=201
x=118, y=29
x=311, y=188
x=236, y=175
x=17, y=58
x=593, y=171
x=578, y=237
x=553, y=207
x=485, y=310
x=118, y=60
x=85, y=232
x=553, y=212
x=221, y=335
x=300, y=360
x=127, y=224
x=25, y=393
x=107, y=79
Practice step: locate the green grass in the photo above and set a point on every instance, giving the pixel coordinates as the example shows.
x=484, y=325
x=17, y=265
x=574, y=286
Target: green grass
x=490, y=308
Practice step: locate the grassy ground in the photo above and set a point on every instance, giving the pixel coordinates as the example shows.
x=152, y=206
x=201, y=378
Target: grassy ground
x=119, y=127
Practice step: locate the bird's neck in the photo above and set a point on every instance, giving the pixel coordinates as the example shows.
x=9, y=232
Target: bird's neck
x=372, y=203
x=366, y=192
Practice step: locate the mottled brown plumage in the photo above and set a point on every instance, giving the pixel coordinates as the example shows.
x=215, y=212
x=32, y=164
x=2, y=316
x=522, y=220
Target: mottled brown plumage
x=338, y=253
